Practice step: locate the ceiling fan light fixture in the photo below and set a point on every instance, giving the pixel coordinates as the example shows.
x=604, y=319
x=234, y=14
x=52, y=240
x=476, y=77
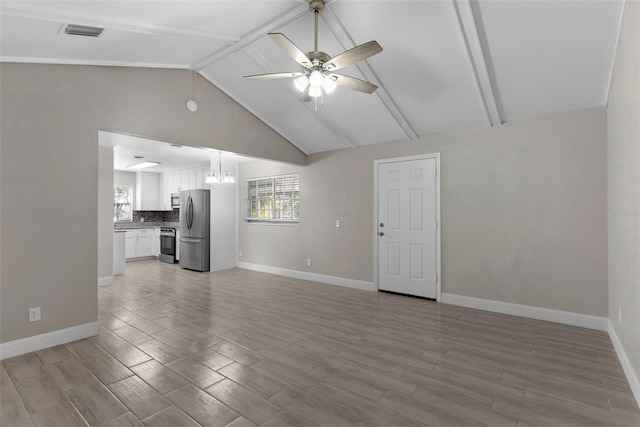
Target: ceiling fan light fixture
x=316, y=79
x=329, y=85
x=317, y=76
x=301, y=83
x=315, y=91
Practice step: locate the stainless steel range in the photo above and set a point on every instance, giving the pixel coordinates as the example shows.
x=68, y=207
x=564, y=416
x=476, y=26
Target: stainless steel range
x=167, y=245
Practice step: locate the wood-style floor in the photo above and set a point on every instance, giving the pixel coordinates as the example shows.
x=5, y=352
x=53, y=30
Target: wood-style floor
x=240, y=348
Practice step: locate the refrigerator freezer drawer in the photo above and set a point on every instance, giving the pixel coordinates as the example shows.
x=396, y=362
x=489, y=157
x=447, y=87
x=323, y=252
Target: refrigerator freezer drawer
x=194, y=253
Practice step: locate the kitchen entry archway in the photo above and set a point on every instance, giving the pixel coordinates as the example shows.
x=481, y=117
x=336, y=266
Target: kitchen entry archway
x=407, y=225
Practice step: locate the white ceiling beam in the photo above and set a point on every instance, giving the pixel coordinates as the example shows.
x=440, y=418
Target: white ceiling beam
x=477, y=57
x=347, y=42
x=252, y=36
x=267, y=65
x=52, y=15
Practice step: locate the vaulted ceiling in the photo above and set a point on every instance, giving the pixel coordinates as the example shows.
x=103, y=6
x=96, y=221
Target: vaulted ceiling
x=446, y=65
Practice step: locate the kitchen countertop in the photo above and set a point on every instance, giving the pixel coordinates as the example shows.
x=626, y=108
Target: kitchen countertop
x=135, y=225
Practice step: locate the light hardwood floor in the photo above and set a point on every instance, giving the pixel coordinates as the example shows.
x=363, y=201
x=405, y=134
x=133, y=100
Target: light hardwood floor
x=241, y=348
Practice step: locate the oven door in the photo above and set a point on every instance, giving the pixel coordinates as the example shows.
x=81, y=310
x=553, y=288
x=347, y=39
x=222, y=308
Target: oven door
x=167, y=248
x=168, y=244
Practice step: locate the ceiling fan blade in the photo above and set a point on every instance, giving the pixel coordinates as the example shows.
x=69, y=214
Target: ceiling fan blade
x=272, y=76
x=353, y=55
x=291, y=49
x=353, y=83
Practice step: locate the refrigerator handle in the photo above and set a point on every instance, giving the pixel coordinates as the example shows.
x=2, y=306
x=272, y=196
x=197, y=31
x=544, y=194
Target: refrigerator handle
x=190, y=214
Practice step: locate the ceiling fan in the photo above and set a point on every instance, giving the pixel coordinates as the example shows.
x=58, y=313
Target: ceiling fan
x=317, y=75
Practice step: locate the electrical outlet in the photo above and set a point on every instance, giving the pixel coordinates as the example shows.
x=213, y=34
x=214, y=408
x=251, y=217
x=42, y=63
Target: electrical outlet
x=337, y=223
x=308, y=262
x=34, y=314
x=240, y=253
x=619, y=314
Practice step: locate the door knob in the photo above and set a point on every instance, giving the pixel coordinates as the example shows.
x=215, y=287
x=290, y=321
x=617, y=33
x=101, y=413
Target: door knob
x=381, y=233
x=381, y=224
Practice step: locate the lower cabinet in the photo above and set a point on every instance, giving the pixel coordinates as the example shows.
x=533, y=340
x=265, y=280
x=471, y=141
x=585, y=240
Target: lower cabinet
x=139, y=243
x=130, y=244
x=156, y=242
x=144, y=242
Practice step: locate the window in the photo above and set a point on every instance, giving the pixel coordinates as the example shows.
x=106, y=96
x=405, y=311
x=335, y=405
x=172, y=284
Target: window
x=275, y=199
x=122, y=209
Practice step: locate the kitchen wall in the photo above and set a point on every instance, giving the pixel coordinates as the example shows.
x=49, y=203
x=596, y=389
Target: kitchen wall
x=129, y=178
x=51, y=115
x=522, y=212
x=623, y=211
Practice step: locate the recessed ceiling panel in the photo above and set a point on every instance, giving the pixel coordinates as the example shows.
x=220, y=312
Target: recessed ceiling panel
x=550, y=56
x=26, y=38
x=424, y=65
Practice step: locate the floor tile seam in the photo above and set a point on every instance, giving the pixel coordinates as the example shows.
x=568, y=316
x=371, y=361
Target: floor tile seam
x=105, y=386
x=20, y=401
x=209, y=394
x=75, y=408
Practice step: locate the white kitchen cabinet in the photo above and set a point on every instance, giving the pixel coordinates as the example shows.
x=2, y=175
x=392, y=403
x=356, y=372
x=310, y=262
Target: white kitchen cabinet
x=177, y=182
x=171, y=186
x=156, y=242
x=200, y=175
x=184, y=180
x=147, y=191
x=140, y=243
x=192, y=179
x=130, y=244
x=164, y=195
x=119, y=251
x=144, y=242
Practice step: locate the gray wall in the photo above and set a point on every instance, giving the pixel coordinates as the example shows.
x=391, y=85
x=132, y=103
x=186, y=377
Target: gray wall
x=522, y=212
x=623, y=115
x=49, y=126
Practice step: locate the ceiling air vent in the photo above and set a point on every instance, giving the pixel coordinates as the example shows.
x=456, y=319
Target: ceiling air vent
x=83, y=30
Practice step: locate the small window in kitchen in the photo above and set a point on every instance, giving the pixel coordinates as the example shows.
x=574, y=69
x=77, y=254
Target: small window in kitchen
x=274, y=199
x=122, y=198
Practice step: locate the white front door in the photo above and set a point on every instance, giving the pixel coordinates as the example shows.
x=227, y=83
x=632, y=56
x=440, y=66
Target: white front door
x=408, y=243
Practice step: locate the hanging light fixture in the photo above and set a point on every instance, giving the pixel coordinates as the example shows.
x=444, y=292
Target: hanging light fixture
x=191, y=104
x=219, y=176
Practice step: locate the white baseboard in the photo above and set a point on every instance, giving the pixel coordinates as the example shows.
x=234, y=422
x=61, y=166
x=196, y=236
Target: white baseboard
x=102, y=281
x=49, y=339
x=331, y=280
x=630, y=373
x=540, y=313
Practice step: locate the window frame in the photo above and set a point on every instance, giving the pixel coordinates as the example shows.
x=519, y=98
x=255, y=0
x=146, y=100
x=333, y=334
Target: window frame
x=290, y=201
x=130, y=203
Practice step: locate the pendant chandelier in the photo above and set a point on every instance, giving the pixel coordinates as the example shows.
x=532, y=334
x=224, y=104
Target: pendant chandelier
x=219, y=176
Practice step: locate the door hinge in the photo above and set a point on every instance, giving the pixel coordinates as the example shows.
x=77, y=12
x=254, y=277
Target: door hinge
x=436, y=225
x=436, y=277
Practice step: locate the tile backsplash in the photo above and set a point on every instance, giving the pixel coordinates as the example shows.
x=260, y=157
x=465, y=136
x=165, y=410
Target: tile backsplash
x=157, y=216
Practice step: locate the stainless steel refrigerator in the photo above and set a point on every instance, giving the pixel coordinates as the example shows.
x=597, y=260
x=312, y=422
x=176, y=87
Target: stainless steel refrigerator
x=194, y=229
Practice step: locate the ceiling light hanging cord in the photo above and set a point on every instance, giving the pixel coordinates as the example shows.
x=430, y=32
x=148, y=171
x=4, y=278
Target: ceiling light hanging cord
x=191, y=104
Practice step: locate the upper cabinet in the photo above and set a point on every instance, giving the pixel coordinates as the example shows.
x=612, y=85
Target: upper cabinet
x=147, y=191
x=187, y=179
x=153, y=191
